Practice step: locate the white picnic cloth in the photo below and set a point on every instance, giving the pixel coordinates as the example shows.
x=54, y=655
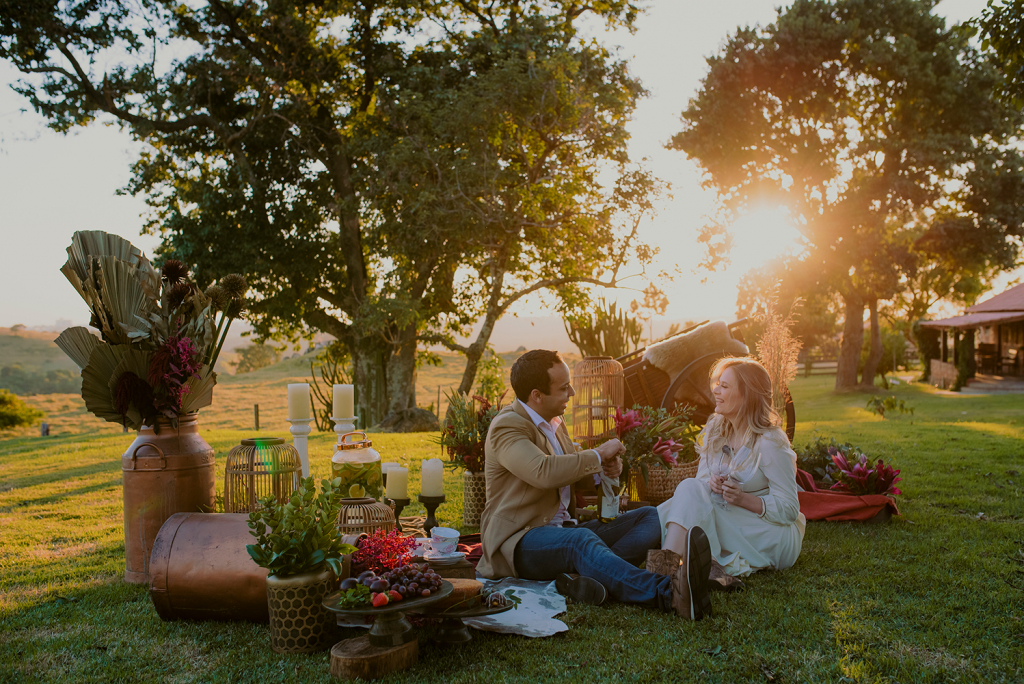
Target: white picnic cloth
x=534, y=617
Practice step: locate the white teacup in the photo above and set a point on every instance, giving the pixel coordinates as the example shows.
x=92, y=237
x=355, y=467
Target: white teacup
x=444, y=540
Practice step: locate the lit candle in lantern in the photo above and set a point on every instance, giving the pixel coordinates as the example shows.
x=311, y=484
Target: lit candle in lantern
x=344, y=401
x=398, y=482
x=432, y=479
x=298, y=401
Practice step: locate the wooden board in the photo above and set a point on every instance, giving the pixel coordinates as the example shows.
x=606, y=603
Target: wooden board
x=358, y=659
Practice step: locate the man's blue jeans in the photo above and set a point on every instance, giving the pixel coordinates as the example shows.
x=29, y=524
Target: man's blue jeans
x=607, y=552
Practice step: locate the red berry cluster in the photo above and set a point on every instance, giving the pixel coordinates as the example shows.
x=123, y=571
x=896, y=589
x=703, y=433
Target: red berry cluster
x=383, y=550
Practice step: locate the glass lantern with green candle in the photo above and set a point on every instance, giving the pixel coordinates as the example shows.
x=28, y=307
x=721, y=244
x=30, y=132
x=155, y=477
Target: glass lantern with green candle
x=358, y=466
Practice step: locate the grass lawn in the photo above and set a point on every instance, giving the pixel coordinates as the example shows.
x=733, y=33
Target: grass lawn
x=935, y=596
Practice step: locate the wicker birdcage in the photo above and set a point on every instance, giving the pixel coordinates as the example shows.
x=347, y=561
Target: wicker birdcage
x=259, y=467
x=364, y=516
x=598, y=384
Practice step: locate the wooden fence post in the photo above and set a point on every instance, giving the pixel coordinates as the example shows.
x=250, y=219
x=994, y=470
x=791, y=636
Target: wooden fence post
x=256, y=415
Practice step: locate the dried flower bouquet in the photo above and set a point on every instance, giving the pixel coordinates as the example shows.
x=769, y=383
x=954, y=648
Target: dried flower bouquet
x=159, y=333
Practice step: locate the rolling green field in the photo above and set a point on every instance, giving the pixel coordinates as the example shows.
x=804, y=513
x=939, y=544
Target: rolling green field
x=934, y=596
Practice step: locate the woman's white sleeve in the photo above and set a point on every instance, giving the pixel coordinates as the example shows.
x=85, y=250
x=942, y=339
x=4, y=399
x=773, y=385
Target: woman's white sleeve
x=781, y=504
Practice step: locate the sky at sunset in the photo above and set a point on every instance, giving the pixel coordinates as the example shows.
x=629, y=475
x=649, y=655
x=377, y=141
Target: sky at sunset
x=52, y=185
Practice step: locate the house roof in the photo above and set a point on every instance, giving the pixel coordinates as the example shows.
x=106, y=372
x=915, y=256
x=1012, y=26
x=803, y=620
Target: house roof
x=974, y=320
x=1010, y=300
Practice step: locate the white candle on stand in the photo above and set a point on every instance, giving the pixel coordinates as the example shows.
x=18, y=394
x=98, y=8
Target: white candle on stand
x=298, y=401
x=398, y=483
x=344, y=401
x=432, y=480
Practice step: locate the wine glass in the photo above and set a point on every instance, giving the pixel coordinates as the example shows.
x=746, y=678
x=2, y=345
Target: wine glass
x=720, y=465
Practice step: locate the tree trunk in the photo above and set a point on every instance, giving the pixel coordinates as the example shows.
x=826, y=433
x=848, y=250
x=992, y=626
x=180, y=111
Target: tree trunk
x=402, y=373
x=475, y=352
x=867, y=378
x=853, y=339
x=369, y=375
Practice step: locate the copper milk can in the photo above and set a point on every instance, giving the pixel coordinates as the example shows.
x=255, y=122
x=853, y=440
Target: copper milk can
x=163, y=474
x=200, y=569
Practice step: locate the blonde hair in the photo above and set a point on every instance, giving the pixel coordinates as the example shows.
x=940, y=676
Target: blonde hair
x=756, y=412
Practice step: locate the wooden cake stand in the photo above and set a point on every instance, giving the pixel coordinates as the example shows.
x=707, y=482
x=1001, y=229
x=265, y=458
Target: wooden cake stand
x=452, y=629
x=390, y=646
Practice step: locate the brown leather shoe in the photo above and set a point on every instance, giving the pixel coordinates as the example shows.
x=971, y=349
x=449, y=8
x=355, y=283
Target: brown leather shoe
x=690, y=581
x=662, y=562
x=719, y=580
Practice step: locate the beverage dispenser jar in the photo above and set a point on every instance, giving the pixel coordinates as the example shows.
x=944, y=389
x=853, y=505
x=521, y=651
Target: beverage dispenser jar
x=358, y=466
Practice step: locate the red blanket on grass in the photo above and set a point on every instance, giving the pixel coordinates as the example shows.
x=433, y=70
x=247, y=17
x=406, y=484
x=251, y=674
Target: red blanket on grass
x=816, y=504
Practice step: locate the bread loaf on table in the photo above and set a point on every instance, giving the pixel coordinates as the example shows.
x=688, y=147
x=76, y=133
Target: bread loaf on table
x=462, y=591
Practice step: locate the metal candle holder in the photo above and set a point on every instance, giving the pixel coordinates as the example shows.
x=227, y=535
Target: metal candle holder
x=430, y=503
x=399, y=504
x=300, y=437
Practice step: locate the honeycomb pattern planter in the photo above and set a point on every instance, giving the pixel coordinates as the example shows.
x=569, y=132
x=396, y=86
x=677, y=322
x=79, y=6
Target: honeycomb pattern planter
x=474, y=492
x=299, y=623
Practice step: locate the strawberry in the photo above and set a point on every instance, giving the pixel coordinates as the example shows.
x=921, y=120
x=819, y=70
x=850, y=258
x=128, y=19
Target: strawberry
x=394, y=595
x=380, y=600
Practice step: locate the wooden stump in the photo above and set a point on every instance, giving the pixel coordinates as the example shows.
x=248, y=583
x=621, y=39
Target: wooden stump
x=356, y=658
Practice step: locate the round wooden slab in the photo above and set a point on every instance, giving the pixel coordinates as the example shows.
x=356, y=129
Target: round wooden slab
x=358, y=659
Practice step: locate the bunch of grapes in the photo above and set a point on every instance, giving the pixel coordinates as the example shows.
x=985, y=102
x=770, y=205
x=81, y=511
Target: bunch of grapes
x=412, y=580
x=404, y=581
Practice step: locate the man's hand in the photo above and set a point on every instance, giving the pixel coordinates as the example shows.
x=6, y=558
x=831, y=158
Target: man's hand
x=609, y=453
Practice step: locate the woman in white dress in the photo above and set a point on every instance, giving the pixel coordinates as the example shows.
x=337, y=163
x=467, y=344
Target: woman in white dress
x=756, y=522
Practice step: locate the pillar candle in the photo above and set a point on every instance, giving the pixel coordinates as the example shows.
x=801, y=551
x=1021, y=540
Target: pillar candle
x=384, y=466
x=298, y=401
x=432, y=482
x=344, y=401
x=398, y=483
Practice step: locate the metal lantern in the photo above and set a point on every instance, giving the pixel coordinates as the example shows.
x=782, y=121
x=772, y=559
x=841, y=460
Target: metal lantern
x=259, y=467
x=364, y=516
x=598, y=384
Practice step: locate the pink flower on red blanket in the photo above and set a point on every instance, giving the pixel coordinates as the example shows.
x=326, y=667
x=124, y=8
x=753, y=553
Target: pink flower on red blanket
x=862, y=478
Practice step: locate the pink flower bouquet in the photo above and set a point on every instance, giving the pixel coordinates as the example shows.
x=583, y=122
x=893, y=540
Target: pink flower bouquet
x=862, y=478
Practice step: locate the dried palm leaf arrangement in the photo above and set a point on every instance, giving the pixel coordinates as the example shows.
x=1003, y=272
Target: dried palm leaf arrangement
x=159, y=334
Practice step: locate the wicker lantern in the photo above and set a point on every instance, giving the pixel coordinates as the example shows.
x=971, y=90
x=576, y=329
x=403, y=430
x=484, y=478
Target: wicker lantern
x=598, y=384
x=364, y=516
x=259, y=467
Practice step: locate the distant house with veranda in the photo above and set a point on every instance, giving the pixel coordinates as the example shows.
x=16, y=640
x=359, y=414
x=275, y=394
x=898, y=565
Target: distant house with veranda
x=994, y=329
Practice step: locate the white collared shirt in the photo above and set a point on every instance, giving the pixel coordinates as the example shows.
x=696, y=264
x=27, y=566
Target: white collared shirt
x=549, y=430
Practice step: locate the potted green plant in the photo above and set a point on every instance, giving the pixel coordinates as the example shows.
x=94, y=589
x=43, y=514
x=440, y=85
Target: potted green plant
x=299, y=545
x=150, y=369
x=462, y=437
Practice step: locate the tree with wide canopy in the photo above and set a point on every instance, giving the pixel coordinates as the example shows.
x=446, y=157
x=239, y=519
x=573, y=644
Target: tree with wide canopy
x=383, y=171
x=877, y=126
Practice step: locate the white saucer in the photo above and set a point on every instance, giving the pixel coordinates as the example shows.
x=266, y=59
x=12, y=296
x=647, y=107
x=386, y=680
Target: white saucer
x=444, y=558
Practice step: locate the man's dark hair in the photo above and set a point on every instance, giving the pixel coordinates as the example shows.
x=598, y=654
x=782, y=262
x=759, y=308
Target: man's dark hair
x=530, y=372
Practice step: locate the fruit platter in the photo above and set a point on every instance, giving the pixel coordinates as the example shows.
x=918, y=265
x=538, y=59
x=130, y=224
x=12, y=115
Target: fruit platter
x=387, y=596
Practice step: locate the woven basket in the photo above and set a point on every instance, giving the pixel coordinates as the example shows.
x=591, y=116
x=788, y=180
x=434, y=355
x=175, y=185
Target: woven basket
x=661, y=483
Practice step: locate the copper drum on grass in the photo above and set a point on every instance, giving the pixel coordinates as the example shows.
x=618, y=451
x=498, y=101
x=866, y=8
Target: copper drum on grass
x=200, y=570
x=163, y=474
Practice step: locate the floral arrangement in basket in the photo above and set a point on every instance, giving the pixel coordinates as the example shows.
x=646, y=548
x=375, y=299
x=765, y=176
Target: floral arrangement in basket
x=862, y=478
x=465, y=429
x=655, y=437
x=159, y=333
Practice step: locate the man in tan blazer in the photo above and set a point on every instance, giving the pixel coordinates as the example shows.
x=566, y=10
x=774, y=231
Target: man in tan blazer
x=528, y=528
